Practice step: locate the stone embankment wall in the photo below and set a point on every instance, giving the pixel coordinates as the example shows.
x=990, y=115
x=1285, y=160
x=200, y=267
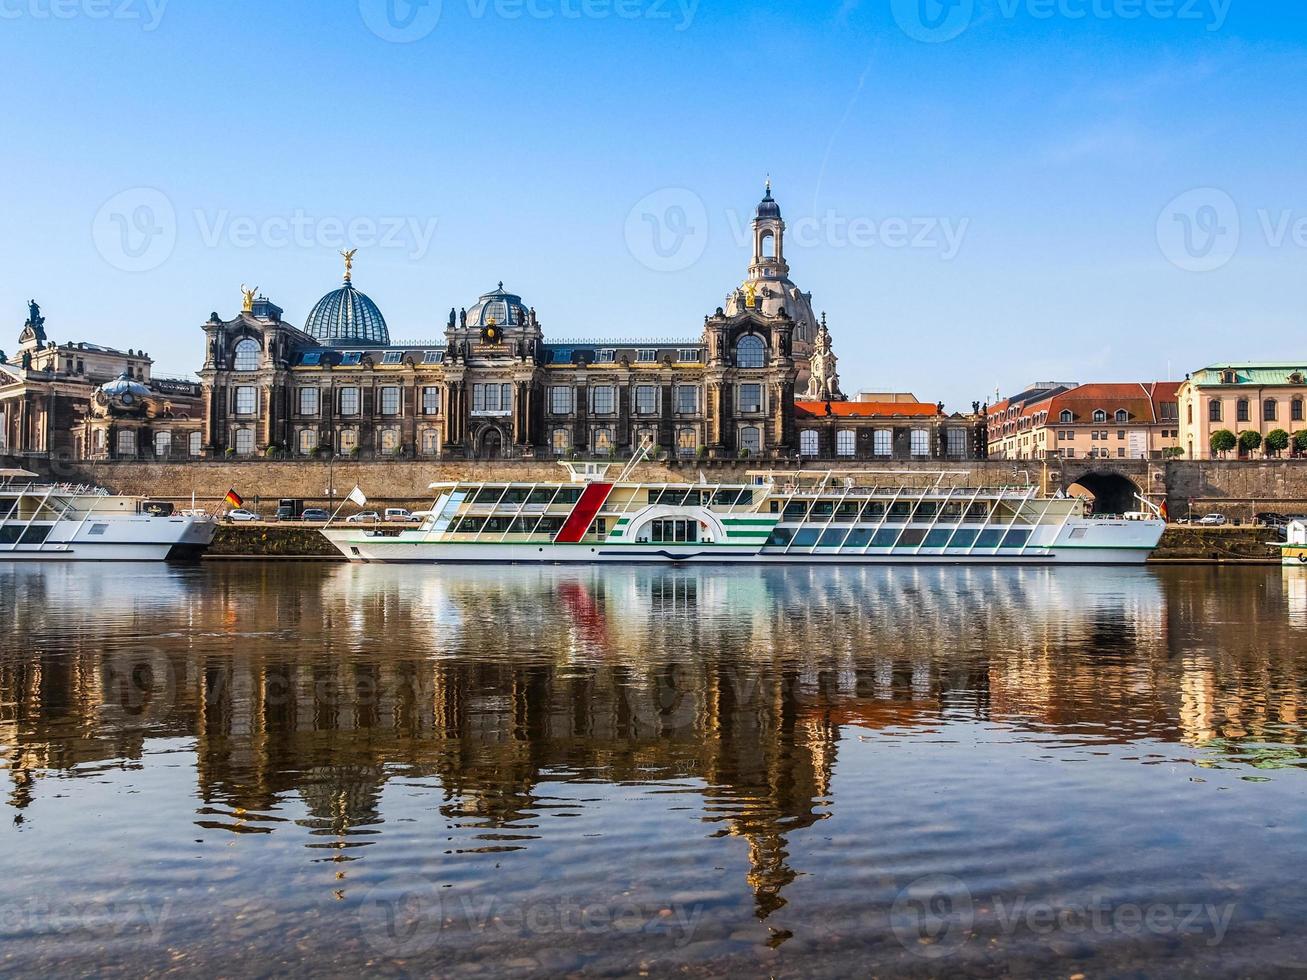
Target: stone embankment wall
x=1238, y=488
x=1217, y=544
x=405, y=483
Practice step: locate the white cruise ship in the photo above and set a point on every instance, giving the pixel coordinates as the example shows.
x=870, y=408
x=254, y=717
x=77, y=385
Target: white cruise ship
x=59, y=522
x=811, y=516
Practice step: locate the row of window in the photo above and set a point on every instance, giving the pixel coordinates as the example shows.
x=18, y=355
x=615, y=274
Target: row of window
x=127, y=444
x=895, y=537
x=1270, y=410
x=603, y=399
x=846, y=441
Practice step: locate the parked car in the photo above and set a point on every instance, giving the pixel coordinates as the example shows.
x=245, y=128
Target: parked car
x=1212, y=520
x=401, y=515
x=366, y=517
x=241, y=514
x=315, y=514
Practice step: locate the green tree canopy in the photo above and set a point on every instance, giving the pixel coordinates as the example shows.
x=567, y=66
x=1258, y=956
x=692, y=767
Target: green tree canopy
x=1300, y=441
x=1277, y=441
x=1249, y=440
x=1223, y=441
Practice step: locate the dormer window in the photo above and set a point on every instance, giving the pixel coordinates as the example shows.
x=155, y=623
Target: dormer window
x=1122, y=415
x=1100, y=415
x=1067, y=417
x=393, y=357
x=606, y=356
x=689, y=355
x=433, y=357
x=1227, y=377
x=646, y=355
x=351, y=357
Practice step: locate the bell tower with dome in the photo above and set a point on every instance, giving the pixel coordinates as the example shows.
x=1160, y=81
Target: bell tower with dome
x=769, y=288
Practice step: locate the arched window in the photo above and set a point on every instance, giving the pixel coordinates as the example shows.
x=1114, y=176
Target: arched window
x=1122, y=415
x=1269, y=410
x=808, y=442
x=768, y=245
x=1213, y=411
x=1295, y=410
x=1067, y=417
x=195, y=443
x=751, y=352
x=561, y=440
x=1242, y=409
x=248, y=355
x=244, y=442
x=751, y=439
x=687, y=442
x=1100, y=415
x=846, y=441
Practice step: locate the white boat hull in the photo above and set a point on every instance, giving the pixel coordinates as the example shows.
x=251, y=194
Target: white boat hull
x=1132, y=542
x=125, y=538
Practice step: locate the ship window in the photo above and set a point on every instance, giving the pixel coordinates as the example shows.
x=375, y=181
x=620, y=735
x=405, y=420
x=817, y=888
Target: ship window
x=98, y=529
x=1016, y=538
x=899, y=512
x=796, y=511
x=1079, y=532
x=676, y=531
x=859, y=537
x=963, y=538
x=989, y=538
x=874, y=511
x=885, y=538
x=805, y=538
x=780, y=537
x=938, y=538
x=912, y=537
x=831, y=538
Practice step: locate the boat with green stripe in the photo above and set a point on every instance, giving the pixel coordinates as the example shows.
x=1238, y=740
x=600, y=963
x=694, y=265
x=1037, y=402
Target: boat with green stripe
x=807, y=516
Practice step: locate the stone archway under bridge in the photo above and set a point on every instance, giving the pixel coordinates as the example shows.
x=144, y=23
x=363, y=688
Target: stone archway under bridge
x=1113, y=486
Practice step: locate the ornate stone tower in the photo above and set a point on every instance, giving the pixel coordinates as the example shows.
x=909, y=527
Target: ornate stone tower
x=769, y=288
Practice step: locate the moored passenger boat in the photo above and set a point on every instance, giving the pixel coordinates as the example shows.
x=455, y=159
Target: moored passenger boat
x=61, y=522
x=806, y=517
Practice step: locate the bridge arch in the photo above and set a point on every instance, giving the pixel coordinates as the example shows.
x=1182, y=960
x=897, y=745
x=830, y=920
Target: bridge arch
x=1112, y=492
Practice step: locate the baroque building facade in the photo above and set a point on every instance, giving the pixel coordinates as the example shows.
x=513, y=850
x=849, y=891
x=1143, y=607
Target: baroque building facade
x=496, y=387
x=86, y=401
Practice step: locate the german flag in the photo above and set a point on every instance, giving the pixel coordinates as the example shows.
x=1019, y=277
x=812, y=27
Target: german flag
x=234, y=498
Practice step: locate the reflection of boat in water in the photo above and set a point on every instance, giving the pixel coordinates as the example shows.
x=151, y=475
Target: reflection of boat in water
x=808, y=517
x=55, y=522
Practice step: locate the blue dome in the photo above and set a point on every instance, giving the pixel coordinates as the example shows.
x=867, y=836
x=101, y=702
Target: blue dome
x=504, y=308
x=768, y=208
x=347, y=316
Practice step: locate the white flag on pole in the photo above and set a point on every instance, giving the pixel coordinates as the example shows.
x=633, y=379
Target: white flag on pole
x=356, y=495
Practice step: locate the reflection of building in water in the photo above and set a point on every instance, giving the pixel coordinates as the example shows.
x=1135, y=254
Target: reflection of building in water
x=321, y=684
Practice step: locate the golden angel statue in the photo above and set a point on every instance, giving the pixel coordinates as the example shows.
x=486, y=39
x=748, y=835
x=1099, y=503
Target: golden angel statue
x=348, y=256
x=248, y=305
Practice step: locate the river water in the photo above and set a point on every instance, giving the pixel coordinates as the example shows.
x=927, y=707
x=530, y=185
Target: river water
x=246, y=769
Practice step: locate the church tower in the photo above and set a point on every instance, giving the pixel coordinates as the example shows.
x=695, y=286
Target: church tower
x=769, y=288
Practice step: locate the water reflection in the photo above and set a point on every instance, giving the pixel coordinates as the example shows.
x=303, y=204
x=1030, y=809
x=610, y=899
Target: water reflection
x=733, y=690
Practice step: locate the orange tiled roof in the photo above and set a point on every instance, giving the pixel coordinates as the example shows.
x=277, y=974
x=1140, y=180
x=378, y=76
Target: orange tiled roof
x=867, y=410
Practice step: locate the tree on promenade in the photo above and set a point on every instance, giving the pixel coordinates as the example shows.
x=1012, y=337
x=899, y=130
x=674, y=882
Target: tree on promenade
x=1300, y=441
x=1249, y=441
x=1222, y=441
x=1277, y=441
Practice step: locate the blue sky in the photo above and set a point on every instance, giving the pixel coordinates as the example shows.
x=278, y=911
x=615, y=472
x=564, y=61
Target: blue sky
x=980, y=195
